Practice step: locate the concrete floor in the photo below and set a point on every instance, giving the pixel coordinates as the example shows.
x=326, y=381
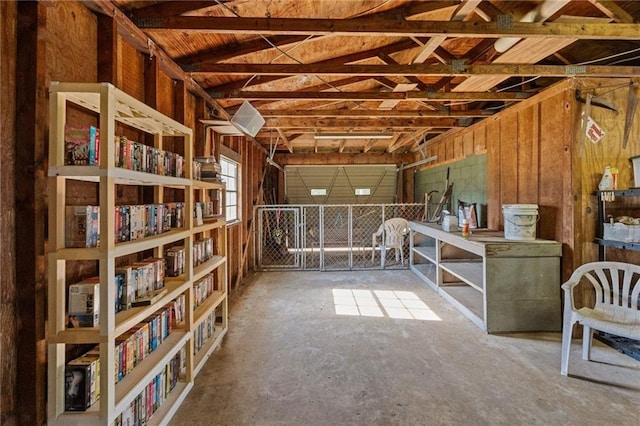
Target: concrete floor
x=289, y=359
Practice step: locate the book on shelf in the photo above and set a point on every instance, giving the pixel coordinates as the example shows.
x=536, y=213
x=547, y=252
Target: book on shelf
x=82, y=382
x=174, y=261
x=82, y=226
x=82, y=146
x=84, y=304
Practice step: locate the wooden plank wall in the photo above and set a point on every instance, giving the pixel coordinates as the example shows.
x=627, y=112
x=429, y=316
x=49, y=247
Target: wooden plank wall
x=528, y=151
x=589, y=167
x=240, y=235
x=8, y=285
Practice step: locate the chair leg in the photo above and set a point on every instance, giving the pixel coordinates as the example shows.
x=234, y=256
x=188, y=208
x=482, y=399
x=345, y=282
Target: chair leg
x=587, y=337
x=383, y=255
x=567, y=330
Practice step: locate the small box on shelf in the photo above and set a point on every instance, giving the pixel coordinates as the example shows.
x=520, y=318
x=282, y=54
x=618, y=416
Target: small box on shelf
x=82, y=383
x=621, y=232
x=84, y=304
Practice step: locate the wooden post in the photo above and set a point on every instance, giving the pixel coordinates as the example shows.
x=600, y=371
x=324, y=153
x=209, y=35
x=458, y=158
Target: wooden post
x=8, y=288
x=108, y=51
x=30, y=189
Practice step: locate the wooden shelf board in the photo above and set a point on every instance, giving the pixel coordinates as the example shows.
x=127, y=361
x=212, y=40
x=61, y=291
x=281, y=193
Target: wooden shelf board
x=428, y=253
x=201, y=270
x=201, y=184
x=128, y=109
x=622, y=245
x=77, y=336
x=127, y=319
x=130, y=247
x=208, y=225
x=202, y=311
x=78, y=253
x=134, y=382
x=427, y=272
x=90, y=417
x=468, y=300
x=205, y=352
x=121, y=176
x=171, y=404
x=469, y=272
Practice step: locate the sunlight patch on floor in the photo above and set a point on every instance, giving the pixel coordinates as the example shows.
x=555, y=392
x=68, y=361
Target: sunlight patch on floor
x=382, y=303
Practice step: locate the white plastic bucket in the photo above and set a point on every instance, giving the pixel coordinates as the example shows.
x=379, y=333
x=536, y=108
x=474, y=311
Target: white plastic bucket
x=520, y=221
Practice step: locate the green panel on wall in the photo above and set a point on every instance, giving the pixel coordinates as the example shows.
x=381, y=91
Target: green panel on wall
x=469, y=177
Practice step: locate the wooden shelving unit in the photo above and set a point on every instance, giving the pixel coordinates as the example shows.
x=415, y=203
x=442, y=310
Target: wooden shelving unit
x=114, y=106
x=500, y=285
x=603, y=243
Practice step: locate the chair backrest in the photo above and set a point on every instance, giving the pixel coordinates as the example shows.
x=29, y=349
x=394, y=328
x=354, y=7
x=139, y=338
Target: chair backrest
x=616, y=284
x=394, y=231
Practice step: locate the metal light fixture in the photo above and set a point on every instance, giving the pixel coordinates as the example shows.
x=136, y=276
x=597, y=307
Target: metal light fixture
x=353, y=136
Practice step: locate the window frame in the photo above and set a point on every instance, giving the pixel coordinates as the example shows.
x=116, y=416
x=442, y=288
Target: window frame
x=229, y=157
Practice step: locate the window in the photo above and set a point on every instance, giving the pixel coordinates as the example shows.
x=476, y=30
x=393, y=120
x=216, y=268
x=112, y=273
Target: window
x=230, y=177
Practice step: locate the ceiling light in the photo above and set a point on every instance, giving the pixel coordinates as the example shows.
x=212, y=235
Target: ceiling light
x=353, y=136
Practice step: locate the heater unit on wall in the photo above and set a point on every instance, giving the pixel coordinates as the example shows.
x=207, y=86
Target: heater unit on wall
x=248, y=119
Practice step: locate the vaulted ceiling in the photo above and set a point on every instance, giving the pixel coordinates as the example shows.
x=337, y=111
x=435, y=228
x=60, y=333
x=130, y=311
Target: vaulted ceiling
x=384, y=75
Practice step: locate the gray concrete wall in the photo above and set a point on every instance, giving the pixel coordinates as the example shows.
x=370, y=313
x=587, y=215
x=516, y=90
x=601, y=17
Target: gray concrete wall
x=469, y=177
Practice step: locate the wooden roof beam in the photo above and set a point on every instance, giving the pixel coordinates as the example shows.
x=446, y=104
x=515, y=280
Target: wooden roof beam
x=171, y=8
x=285, y=140
x=258, y=44
x=350, y=122
x=425, y=70
x=466, y=8
x=375, y=113
x=227, y=52
x=345, y=59
x=373, y=26
x=381, y=96
x=613, y=11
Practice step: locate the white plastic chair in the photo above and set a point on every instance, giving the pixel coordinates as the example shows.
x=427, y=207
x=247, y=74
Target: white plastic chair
x=616, y=310
x=394, y=231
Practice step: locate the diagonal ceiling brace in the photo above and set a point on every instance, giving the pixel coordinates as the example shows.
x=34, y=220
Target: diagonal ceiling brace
x=272, y=151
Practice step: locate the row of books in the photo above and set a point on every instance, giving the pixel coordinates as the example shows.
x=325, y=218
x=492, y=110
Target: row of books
x=81, y=146
x=175, y=256
x=202, y=250
x=132, y=222
x=204, y=210
x=202, y=289
x=148, y=159
x=203, y=332
x=139, y=283
x=137, y=343
x=207, y=168
x=142, y=408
